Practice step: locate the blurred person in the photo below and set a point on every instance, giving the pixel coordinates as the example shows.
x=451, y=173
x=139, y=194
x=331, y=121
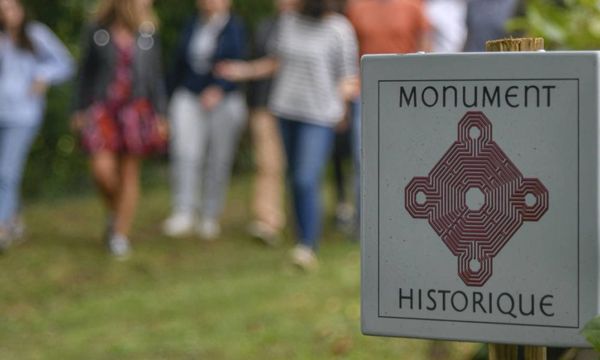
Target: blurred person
x=315, y=60
x=448, y=19
x=267, y=206
x=390, y=26
x=384, y=27
x=344, y=219
x=342, y=153
x=120, y=107
x=31, y=59
x=486, y=20
x=208, y=115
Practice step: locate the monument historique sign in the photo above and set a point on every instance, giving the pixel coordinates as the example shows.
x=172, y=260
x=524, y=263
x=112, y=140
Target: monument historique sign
x=480, y=196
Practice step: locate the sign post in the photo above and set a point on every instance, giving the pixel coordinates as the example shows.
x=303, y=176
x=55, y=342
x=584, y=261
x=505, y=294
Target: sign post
x=480, y=197
x=501, y=351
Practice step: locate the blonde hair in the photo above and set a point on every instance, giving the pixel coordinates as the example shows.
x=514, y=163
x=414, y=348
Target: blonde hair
x=124, y=11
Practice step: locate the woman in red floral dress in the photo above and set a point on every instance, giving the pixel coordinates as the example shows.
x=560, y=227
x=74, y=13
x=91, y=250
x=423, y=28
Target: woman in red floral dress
x=120, y=104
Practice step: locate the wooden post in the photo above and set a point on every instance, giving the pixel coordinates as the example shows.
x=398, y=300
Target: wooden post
x=511, y=352
x=503, y=352
x=521, y=44
x=535, y=353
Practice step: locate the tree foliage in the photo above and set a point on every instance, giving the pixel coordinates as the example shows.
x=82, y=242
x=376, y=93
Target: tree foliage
x=565, y=24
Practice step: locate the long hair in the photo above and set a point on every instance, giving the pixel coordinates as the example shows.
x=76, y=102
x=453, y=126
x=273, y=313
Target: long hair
x=22, y=40
x=111, y=11
x=316, y=9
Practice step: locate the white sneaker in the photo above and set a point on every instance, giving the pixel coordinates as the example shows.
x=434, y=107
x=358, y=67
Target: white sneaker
x=208, y=229
x=264, y=233
x=5, y=240
x=118, y=245
x=179, y=224
x=18, y=229
x=304, y=257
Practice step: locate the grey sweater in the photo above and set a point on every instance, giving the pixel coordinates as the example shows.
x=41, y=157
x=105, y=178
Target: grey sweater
x=315, y=55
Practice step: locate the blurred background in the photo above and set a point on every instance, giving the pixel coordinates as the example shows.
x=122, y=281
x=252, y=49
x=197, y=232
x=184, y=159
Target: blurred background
x=564, y=24
x=62, y=298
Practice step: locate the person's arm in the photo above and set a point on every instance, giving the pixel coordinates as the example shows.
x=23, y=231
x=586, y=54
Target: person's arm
x=82, y=96
x=348, y=83
x=233, y=45
x=176, y=70
x=159, y=90
x=236, y=51
x=261, y=68
x=54, y=62
x=258, y=69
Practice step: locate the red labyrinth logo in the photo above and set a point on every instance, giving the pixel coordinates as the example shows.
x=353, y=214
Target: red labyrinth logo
x=475, y=199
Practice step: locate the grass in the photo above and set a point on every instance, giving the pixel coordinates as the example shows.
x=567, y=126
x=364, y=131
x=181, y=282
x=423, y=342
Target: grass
x=62, y=297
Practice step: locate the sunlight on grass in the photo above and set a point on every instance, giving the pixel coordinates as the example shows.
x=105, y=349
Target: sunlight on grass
x=62, y=297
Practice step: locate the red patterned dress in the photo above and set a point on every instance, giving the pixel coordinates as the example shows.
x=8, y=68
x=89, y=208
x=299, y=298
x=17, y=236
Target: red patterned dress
x=118, y=123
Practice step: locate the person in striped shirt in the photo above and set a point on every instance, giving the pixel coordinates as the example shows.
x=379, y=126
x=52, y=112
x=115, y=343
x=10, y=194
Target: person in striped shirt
x=315, y=58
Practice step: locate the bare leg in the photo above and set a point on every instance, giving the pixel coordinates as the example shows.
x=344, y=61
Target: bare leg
x=128, y=194
x=105, y=172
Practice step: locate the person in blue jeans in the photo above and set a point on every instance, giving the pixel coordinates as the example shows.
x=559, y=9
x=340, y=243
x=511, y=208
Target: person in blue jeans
x=31, y=59
x=314, y=57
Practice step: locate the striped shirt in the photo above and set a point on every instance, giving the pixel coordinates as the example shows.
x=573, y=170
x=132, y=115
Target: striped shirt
x=314, y=55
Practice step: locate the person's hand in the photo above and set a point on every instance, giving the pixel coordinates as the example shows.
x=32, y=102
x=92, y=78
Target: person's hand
x=233, y=70
x=343, y=125
x=77, y=121
x=39, y=87
x=349, y=88
x=211, y=97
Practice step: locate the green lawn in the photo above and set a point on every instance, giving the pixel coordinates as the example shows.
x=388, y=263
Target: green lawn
x=62, y=297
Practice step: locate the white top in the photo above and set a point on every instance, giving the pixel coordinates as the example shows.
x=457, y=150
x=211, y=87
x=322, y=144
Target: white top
x=314, y=56
x=448, y=19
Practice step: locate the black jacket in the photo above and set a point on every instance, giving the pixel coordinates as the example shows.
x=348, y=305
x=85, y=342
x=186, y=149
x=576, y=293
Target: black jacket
x=231, y=45
x=98, y=63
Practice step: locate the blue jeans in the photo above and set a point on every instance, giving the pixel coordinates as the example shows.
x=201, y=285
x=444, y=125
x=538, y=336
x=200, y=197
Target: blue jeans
x=307, y=147
x=15, y=143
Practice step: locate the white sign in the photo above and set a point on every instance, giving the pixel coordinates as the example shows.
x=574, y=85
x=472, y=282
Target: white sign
x=480, y=196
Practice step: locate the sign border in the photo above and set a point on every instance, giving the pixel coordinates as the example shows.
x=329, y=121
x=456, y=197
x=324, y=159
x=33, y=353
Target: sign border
x=379, y=204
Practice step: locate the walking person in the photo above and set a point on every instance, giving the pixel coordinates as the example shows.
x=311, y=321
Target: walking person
x=208, y=115
x=31, y=59
x=268, y=213
x=120, y=105
x=315, y=57
x=345, y=214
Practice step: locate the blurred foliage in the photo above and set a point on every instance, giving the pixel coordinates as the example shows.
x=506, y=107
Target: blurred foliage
x=591, y=332
x=564, y=24
x=56, y=164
